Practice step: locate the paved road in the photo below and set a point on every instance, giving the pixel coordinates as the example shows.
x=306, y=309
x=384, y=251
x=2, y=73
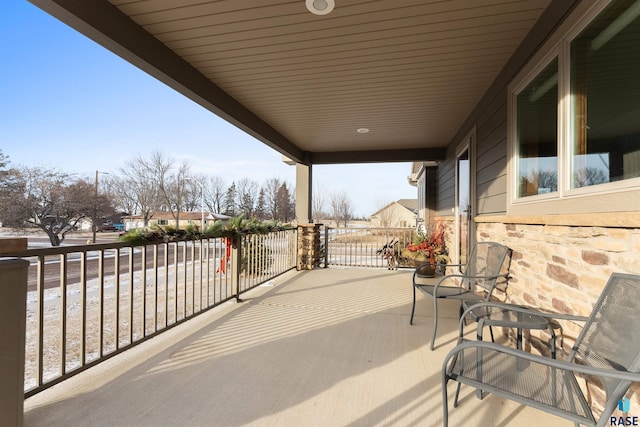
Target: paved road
x=52, y=266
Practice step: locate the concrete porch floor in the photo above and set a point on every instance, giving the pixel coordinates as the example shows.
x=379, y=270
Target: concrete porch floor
x=329, y=347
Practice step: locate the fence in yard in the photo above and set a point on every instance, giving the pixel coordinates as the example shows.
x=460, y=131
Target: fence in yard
x=359, y=247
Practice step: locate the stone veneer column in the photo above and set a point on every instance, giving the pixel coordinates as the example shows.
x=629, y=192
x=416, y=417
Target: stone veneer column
x=308, y=246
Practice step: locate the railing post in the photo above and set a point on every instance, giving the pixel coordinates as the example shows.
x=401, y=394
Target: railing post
x=326, y=247
x=13, y=313
x=235, y=266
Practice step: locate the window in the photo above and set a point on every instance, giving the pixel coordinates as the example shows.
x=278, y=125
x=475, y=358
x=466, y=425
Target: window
x=576, y=120
x=163, y=222
x=537, y=134
x=605, y=90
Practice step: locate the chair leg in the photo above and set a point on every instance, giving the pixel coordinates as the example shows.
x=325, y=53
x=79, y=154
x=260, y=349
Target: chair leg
x=445, y=404
x=413, y=307
x=455, y=401
x=435, y=322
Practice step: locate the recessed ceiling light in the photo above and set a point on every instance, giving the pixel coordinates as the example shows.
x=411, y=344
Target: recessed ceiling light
x=362, y=130
x=320, y=7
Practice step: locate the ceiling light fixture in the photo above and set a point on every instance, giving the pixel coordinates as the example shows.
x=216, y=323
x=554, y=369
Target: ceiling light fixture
x=320, y=7
x=362, y=130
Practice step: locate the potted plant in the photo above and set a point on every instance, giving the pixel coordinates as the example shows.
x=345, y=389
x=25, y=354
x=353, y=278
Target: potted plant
x=427, y=251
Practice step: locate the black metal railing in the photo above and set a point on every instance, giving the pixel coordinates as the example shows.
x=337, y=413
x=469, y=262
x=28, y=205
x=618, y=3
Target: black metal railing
x=360, y=247
x=88, y=303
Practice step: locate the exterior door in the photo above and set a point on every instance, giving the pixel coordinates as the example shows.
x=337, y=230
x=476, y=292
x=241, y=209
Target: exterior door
x=463, y=206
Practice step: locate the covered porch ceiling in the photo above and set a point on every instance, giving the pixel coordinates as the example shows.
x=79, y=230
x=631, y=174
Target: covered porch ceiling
x=411, y=72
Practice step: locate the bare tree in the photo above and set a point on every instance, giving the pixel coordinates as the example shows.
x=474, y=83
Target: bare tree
x=194, y=185
x=121, y=193
x=215, y=192
x=318, y=202
x=52, y=201
x=341, y=208
x=270, y=188
x=589, y=176
x=138, y=184
x=170, y=180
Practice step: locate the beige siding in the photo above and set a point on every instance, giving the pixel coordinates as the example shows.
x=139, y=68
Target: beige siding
x=446, y=187
x=491, y=158
x=490, y=119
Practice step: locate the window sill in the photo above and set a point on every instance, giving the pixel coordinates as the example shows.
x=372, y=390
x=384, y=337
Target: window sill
x=608, y=219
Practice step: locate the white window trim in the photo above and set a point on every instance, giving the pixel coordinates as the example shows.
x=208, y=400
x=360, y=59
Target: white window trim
x=514, y=90
x=612, y=196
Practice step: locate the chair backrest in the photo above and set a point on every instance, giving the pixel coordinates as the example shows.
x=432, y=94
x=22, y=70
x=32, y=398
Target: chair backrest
x=611, y=336
x=486, y=262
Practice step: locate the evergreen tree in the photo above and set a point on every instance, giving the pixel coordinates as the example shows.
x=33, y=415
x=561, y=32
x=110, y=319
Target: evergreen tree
x=260, y=211
x=11, y=189
x=230, y=201
x=285, y=209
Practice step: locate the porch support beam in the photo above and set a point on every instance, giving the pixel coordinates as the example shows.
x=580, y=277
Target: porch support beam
x=378, y=156
x=13, y=309
x=303, y=194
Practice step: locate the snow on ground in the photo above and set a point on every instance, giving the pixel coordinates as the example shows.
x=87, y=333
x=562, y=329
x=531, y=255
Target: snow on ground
x=160, y=302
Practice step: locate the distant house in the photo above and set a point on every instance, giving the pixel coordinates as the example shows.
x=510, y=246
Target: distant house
x=85, y=224
x=401, y=213
x=167, y=218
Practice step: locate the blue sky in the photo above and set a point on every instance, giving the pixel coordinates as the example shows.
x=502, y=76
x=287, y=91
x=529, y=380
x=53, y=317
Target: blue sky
x=68, y=103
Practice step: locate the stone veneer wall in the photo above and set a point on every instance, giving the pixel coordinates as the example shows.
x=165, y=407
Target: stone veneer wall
x=563, y=268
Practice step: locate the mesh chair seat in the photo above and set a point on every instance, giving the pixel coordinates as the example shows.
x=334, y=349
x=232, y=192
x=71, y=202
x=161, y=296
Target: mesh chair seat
x=488, y=261
x=606, y=351
x=524, y=381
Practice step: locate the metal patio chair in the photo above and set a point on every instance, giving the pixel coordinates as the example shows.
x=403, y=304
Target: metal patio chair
x=487, y=262
x=607, y=351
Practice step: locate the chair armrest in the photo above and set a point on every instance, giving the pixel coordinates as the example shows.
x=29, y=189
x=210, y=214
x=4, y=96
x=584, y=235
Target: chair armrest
x=465, y=276
x=516, y=308
x=453, y=265
x=451, y=276
x=526, y=310
x=553, y=363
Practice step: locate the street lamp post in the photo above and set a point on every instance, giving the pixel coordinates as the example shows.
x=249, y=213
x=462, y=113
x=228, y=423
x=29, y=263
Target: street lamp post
x=201, y=201
x=95, y=206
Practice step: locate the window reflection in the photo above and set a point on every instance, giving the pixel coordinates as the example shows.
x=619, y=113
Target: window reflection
x=605, y=90
x=537, y=143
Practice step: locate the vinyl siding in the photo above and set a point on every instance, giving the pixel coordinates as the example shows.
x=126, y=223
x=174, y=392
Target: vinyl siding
x=490, y=119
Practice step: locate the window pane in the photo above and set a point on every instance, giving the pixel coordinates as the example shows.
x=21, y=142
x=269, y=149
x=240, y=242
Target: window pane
x=605, y=90
x=537, y=139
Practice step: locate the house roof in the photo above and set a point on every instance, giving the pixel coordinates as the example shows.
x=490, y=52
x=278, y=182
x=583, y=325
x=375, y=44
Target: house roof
x=409, y=204
x=410, y=71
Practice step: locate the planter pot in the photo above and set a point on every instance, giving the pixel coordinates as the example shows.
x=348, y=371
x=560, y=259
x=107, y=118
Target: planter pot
x=426, y=270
